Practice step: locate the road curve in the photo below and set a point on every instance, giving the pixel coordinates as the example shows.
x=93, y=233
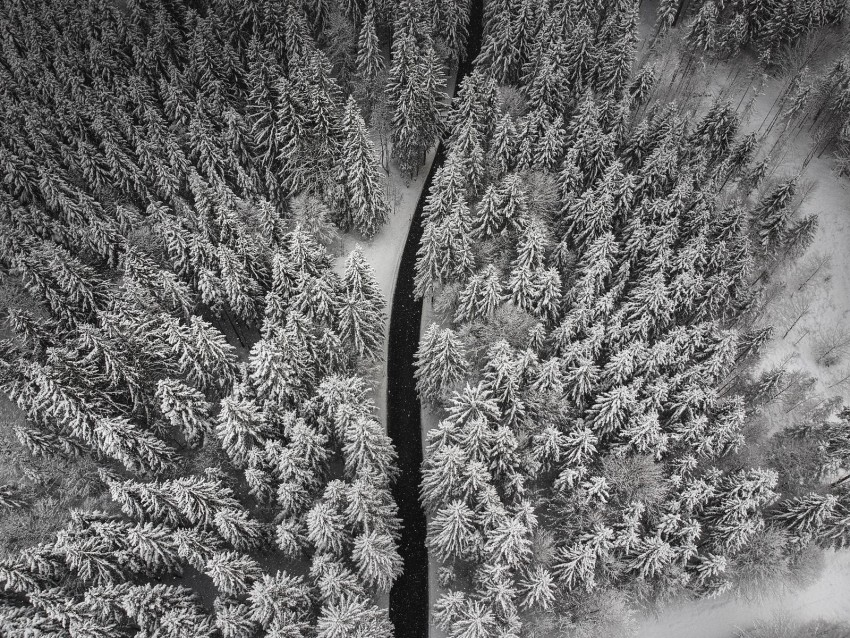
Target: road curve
x=409, y=596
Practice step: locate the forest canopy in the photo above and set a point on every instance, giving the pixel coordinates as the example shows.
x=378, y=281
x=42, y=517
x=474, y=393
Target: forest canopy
x=193, y=352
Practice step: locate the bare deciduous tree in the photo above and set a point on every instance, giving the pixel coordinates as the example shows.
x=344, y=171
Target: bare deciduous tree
x=795, y=309
x=831, y=344
x=811, y=272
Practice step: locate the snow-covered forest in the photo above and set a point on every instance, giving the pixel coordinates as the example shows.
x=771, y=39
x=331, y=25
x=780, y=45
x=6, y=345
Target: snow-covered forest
x=221, y=222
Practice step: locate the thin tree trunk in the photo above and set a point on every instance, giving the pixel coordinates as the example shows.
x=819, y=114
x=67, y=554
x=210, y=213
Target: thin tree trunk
x=780, y=393
x=838, y=345
x=812, y=276
x=799, y=339
x=235, y=329
x=838, y=382
x=843, y=479
x=796, y=321
x=803, y=400
x=679, y=12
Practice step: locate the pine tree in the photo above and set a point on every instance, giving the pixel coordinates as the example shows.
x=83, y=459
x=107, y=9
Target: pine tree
x=538, y=589
x=523, y=287
x=581, y=55
x=497, y=57
x=430, y=258
x=515, y=208
x=448, y=190
x=547, y=305
x=352, y=615
x=440, y=362
x=232, y=620
x=413, y=84
x=772, y=213
x=365, y=204
x=186, y=409
x=241, y=425
x=135, y=448
x=703, y=30
x=359, y=280
x=509, y=543
x=275, y=376
x=452, y=533
x=232, y=573
x=667, y=13
x=292, y=155
x=808, y=515
x=652, y=554
x=362, y=326
x=279, y=599
x=240, y=531
x=551, y=146
x=481, y=296
x=326, y=529
x=615, y=64
x=370, y=61
x=367, y=449
x=503, y=146
x=452, y=25
x=477, y=619
x=442, y=475
x=317, y=299
x=202, y=351
x=377, y=559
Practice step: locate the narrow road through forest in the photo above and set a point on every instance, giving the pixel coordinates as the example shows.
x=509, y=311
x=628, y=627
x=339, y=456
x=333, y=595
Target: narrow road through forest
x=409, y=596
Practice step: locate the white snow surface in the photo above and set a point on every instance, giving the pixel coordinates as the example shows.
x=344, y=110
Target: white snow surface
x=827, y=599
x=383, y=252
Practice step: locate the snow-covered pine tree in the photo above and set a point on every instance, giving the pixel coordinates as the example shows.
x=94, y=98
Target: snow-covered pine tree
x=361, y=316
x=440, y=362
x=362, y=326
x=771, y=215
x=186, y=409
x=377, y=559
x=364, y=202
x=413, y=87
x=370, y=60
x=241, y=425
x=453, y=26
x=481, y=296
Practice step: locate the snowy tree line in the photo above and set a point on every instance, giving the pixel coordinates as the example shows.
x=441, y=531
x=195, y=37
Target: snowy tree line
x=595, y=260
x=798, y=43
x=769, y=26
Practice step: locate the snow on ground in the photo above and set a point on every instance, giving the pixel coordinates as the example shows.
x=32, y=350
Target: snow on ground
x=827, y=599
x=827, y=195
x=383, y=252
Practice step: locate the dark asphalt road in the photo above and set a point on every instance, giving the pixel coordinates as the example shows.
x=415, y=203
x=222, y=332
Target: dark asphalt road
x=409, y=595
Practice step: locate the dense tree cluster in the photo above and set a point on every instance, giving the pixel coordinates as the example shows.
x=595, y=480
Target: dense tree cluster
x=174, y=174
x=595, y=260
x=770, y=26
x=170, y=172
